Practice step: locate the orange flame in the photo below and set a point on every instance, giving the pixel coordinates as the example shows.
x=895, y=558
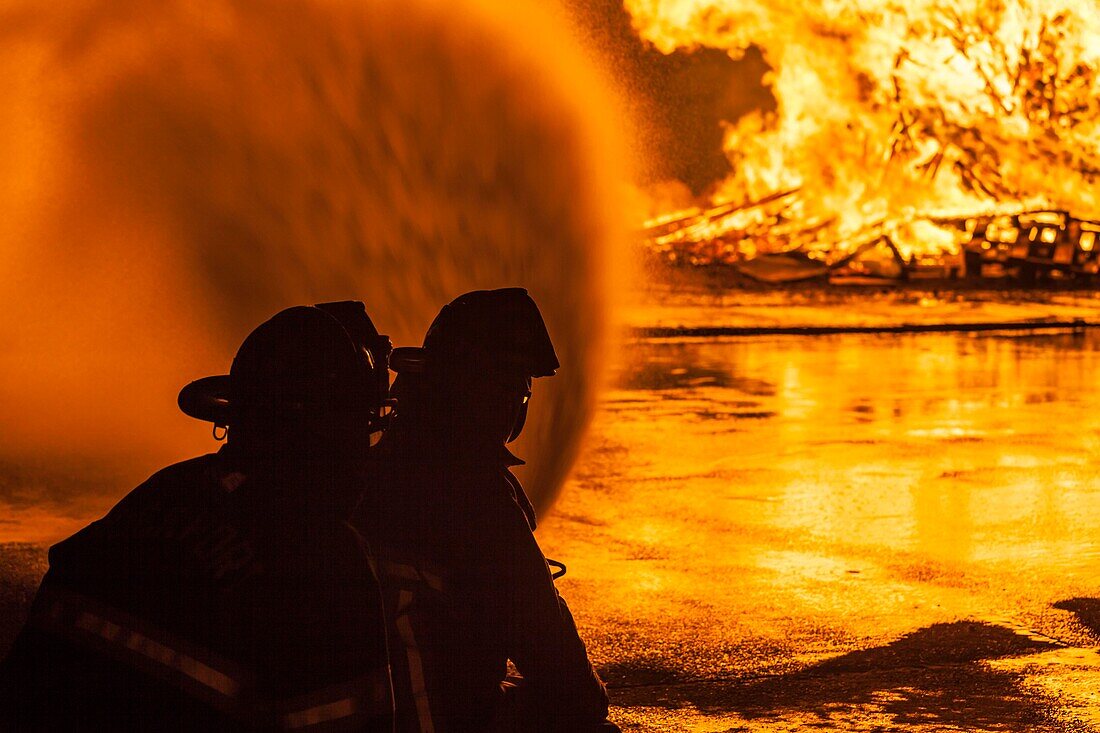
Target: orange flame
x=892, y=111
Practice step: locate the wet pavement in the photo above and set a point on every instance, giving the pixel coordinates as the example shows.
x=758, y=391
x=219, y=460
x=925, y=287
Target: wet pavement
x=855, y=533
x=843, y=533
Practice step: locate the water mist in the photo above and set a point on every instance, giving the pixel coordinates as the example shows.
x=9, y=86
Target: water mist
x=178, y=171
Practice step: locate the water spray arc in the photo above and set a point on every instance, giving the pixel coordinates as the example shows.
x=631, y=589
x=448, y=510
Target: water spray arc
x=182, y=170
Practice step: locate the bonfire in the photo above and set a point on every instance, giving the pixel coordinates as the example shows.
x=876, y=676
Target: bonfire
x=936, y=137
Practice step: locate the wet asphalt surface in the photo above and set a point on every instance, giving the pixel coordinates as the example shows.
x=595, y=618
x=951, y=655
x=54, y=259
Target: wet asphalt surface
x=851, y=533
x=860, y=533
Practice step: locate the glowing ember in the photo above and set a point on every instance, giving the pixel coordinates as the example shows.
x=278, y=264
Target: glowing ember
x=893, y=113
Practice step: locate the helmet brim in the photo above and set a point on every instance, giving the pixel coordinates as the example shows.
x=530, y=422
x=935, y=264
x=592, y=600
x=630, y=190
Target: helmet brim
x=206, y=399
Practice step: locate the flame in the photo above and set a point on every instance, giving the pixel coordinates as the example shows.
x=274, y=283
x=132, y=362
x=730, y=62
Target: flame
x=889, y=111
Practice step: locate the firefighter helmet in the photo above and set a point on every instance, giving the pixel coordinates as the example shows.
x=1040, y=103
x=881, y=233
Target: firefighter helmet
x=327, y=358
x=499, y=332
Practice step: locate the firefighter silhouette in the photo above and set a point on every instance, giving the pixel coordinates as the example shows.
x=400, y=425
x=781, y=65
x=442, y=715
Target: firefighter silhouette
x=228, y=592
x=451, y=532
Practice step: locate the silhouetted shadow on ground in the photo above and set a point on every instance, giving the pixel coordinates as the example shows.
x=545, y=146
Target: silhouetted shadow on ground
x=1087, y=611
x=933, y=676
x=641, y=671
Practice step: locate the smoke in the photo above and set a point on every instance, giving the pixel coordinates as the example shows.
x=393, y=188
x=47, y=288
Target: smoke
x=177, y=171
x=679, y=100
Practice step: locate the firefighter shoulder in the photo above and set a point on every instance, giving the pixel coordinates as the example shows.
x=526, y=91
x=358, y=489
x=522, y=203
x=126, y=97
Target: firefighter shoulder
x=226, y=592
x=467, y=587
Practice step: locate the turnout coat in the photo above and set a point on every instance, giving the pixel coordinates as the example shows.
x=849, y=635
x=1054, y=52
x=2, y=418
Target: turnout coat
x=468, y=590
x=212, y=597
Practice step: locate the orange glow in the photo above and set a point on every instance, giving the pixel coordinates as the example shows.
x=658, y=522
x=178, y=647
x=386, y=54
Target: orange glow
x=177, y=172
x=890, y=112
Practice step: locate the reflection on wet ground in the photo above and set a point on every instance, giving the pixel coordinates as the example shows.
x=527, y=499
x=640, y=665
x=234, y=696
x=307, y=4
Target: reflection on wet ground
x=850, y=533
x=845, y=533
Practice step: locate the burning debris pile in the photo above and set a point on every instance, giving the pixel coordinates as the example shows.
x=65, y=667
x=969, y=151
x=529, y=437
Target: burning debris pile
x=766, y=241
x=943, y=137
